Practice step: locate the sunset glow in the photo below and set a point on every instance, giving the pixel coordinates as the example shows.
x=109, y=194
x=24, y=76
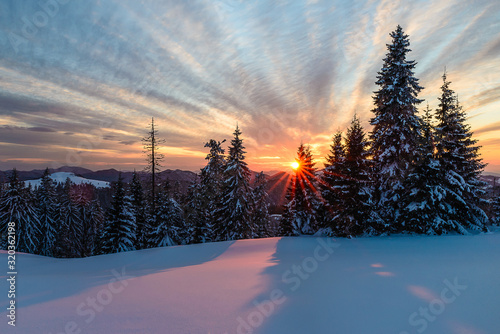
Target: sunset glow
x=285, y=72
x=295, y=165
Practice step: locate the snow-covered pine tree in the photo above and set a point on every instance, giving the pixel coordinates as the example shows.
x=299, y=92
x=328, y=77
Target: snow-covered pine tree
x=331, y=185
x=356, y=216
x=260, y=207
x=496, y=210
x=425, y=207
x=139, y=212
x=119, y=235
x=233, y=216
x=171, y=227
x=16, y=205
x=47, y=208
x=458, y=154
x=396, y=127
x=197, y=224
x=95, y=228
x=90, y=229
x=299, y=216
x=211, y=180
x=70, y=229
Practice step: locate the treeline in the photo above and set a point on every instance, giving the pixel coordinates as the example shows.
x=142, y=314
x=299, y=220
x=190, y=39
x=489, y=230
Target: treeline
x=224, y=203
x=415, y=172
x=411, y=174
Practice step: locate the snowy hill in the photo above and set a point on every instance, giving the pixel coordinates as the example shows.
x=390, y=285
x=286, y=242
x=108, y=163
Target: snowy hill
x=61, y=177
x=447, y=284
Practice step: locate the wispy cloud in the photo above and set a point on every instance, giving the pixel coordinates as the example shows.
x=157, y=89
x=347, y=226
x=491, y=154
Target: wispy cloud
x=287, y=72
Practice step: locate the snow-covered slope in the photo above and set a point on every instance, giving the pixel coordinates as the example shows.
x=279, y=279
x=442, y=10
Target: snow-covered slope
x=447, y=284
x=61, y=177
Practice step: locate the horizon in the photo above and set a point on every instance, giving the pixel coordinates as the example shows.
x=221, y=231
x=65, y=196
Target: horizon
x=79, y=88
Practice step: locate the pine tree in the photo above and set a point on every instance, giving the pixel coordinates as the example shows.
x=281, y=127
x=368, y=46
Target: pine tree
x=496, y=210
x=16, y=206
x=425, y=208
x=85, y=235
x=95, y=221
x=260, y=207
x=69, y=243
x=170, y=229
x=46, y=209
x=233, y=216
x=458, y=154
x=356, y=215
x=197, y=224
x=152, y=144
x=120, y=227
x=331, y=185
x=299, y=216
x=139, y=212
x=211, y=180
x=396, y=127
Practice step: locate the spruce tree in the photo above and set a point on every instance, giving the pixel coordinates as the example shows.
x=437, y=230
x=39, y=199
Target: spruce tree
x=356, y=215
x=212, y=179
x=458, y=154
x=233, y=216
x=260, y=207
x=171, y=227
x=332, y=182
x=396, y=127
x=139, y=212
x=120, y=227
x=496, y=210
x=197, y=223
x=425, y=207
x=299, y=216
x=16, y=206
x=47, y=209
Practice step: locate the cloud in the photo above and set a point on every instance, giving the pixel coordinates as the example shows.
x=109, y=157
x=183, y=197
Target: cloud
x=489, y=128
x=286, y=72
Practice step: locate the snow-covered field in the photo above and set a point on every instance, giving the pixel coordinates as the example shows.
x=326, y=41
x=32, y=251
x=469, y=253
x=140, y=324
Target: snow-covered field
x=60, y=177
x=401, y=284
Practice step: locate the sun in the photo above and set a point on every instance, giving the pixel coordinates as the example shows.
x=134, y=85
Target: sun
x=295, y=165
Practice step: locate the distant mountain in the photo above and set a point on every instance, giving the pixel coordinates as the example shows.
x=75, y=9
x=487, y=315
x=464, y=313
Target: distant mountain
x=60, y=177
x=37, y=173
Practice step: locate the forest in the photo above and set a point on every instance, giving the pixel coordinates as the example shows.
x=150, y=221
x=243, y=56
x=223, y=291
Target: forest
x=416, y=172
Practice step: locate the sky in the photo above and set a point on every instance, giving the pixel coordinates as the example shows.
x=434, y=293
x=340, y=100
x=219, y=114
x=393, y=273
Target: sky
x=80, y=80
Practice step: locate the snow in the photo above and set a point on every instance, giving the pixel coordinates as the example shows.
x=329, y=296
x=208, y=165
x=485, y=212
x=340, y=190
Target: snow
x=61, y=177
x=275, y=285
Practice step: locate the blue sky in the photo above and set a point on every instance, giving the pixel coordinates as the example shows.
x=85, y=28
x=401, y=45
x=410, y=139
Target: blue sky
x=79, y=80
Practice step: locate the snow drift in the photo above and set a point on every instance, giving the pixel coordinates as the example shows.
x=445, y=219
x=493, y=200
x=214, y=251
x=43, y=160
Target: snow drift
x=446, y=284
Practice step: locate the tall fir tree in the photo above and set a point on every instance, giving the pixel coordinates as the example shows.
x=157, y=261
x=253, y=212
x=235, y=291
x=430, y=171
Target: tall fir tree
x=425, y=207
x=154, y=158
x=356, y=216
x=496, y=210
x=396, y=127
x=120, y=229
x=303, y=201
x=195, y=211
x=458, y=154
x=47, y=208
x=82, y=199
x=139, y=212
x=331, y=185
x=233, y=216
x=70, y=229
x=171, y=226
x=16, y=206
x=260, y=207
